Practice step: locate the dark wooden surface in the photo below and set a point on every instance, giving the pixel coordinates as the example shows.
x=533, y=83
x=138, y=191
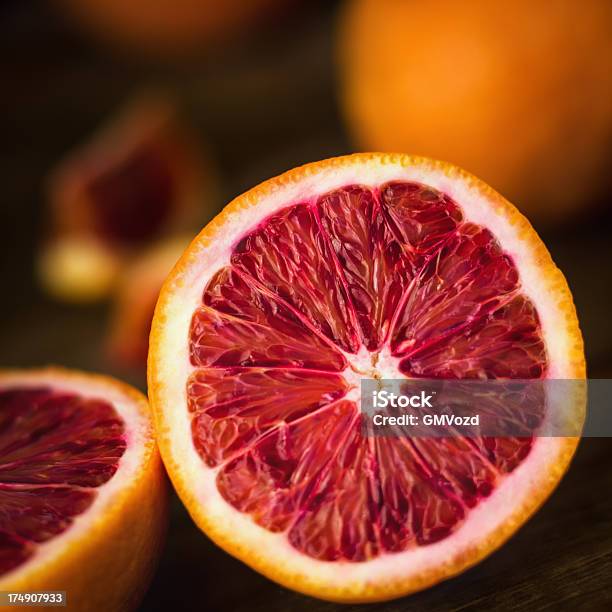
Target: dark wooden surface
x=263, y=107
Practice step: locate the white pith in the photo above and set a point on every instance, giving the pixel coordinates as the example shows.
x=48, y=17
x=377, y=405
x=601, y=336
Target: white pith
x=266, y=549
x=138, y=436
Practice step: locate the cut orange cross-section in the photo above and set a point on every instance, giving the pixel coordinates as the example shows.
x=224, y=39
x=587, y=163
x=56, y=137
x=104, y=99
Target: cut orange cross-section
x=82, y=491
x=369, y=265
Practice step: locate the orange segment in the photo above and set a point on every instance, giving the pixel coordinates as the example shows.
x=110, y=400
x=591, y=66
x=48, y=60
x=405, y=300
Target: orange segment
x=371, y=259
x=235, y=406
x=236, y=312
x=289, y=256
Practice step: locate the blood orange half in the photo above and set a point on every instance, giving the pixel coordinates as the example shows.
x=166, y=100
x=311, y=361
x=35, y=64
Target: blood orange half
x=82, y=491
x=360, y=266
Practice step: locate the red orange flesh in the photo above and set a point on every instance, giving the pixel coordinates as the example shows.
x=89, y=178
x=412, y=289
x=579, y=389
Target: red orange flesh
x=363, y=266
x=81, y=488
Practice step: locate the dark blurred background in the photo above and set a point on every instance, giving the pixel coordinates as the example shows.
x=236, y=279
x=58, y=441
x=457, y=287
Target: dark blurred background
x=260, y=103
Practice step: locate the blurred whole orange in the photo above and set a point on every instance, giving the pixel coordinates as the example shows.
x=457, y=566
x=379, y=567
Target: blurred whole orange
x=519, y=93
x=161, y=27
